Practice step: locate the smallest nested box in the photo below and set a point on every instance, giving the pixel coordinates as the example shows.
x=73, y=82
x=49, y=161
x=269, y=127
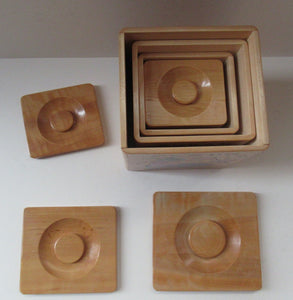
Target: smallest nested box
x=184, y=92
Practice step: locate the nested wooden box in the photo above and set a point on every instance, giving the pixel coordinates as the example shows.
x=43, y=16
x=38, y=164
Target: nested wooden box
x=191, y=97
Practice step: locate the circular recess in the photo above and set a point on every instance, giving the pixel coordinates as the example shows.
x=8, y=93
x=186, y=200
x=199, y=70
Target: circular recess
x=207, y=239
x=69, y=248
x=185, y=91
x=62, y=120
x=77, y=253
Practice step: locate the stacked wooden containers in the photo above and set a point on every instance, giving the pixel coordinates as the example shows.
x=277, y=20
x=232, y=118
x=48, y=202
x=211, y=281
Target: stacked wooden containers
x=191, y=97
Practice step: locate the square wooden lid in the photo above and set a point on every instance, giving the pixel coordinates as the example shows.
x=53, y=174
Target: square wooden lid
x=184, y=92
x=68, y=250
x=231, y=127
x=205, y=241
x=62, y=120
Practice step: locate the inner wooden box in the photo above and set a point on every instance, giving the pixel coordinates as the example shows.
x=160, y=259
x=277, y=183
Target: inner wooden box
x=232, y=125
x=182, y=93
x=240, y=50
x=142, y=157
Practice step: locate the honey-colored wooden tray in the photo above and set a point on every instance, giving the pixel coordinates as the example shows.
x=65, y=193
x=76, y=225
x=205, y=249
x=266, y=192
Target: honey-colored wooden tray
x=180, y=93
x=231, y=95
x=205, y=242
x=240, y=51
x=62, y=120
x=68, y=250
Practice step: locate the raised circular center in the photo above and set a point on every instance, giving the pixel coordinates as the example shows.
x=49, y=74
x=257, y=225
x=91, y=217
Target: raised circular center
x=69, y=248
x=61, y=121
x=184, y=92
x=207, y=239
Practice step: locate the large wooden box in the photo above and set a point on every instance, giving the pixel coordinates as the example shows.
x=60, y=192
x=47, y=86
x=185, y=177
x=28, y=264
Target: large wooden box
x=141, y=157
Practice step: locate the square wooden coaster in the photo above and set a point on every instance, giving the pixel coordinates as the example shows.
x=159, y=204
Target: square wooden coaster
x=184, y=93
x=231, y=127
x=205, y=241
x=68, y=250
x=62, y=120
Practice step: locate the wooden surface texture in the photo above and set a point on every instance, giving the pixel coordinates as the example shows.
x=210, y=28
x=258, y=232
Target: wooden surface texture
x=140, y=157
x=205, y=241
x=68, y=250
x=165, y=99
x=62, y=120
x=231, y=95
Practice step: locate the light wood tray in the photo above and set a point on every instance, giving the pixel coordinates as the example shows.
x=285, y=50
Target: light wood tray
x=231, y=94
x=68, y=250
x=205, y=242
x=240, y=50
x=62, y=120
x=181, y=93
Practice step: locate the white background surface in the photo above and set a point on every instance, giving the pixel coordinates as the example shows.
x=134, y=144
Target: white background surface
x=99, y=177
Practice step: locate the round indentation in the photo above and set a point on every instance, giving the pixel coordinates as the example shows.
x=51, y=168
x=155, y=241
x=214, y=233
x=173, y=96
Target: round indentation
x=198, y=244
x=64, y=260
x=61, y=121
x=185, y=85
x=207, y=239
x=184, y=92
x=69, y=248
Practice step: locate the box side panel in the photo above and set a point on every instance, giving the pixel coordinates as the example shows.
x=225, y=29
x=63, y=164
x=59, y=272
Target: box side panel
x=258, y=88
x=140, y=162
x=188, y=33
x=123, y=121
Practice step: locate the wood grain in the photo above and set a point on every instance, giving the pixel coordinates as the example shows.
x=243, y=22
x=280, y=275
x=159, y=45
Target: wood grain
x=62, y=120
x=219, y=156
x=231, y=95
x=132, y=34
x=258, y=87
x=161, y=79
x=247, y=120
x=205, y=241
x=68, y=250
